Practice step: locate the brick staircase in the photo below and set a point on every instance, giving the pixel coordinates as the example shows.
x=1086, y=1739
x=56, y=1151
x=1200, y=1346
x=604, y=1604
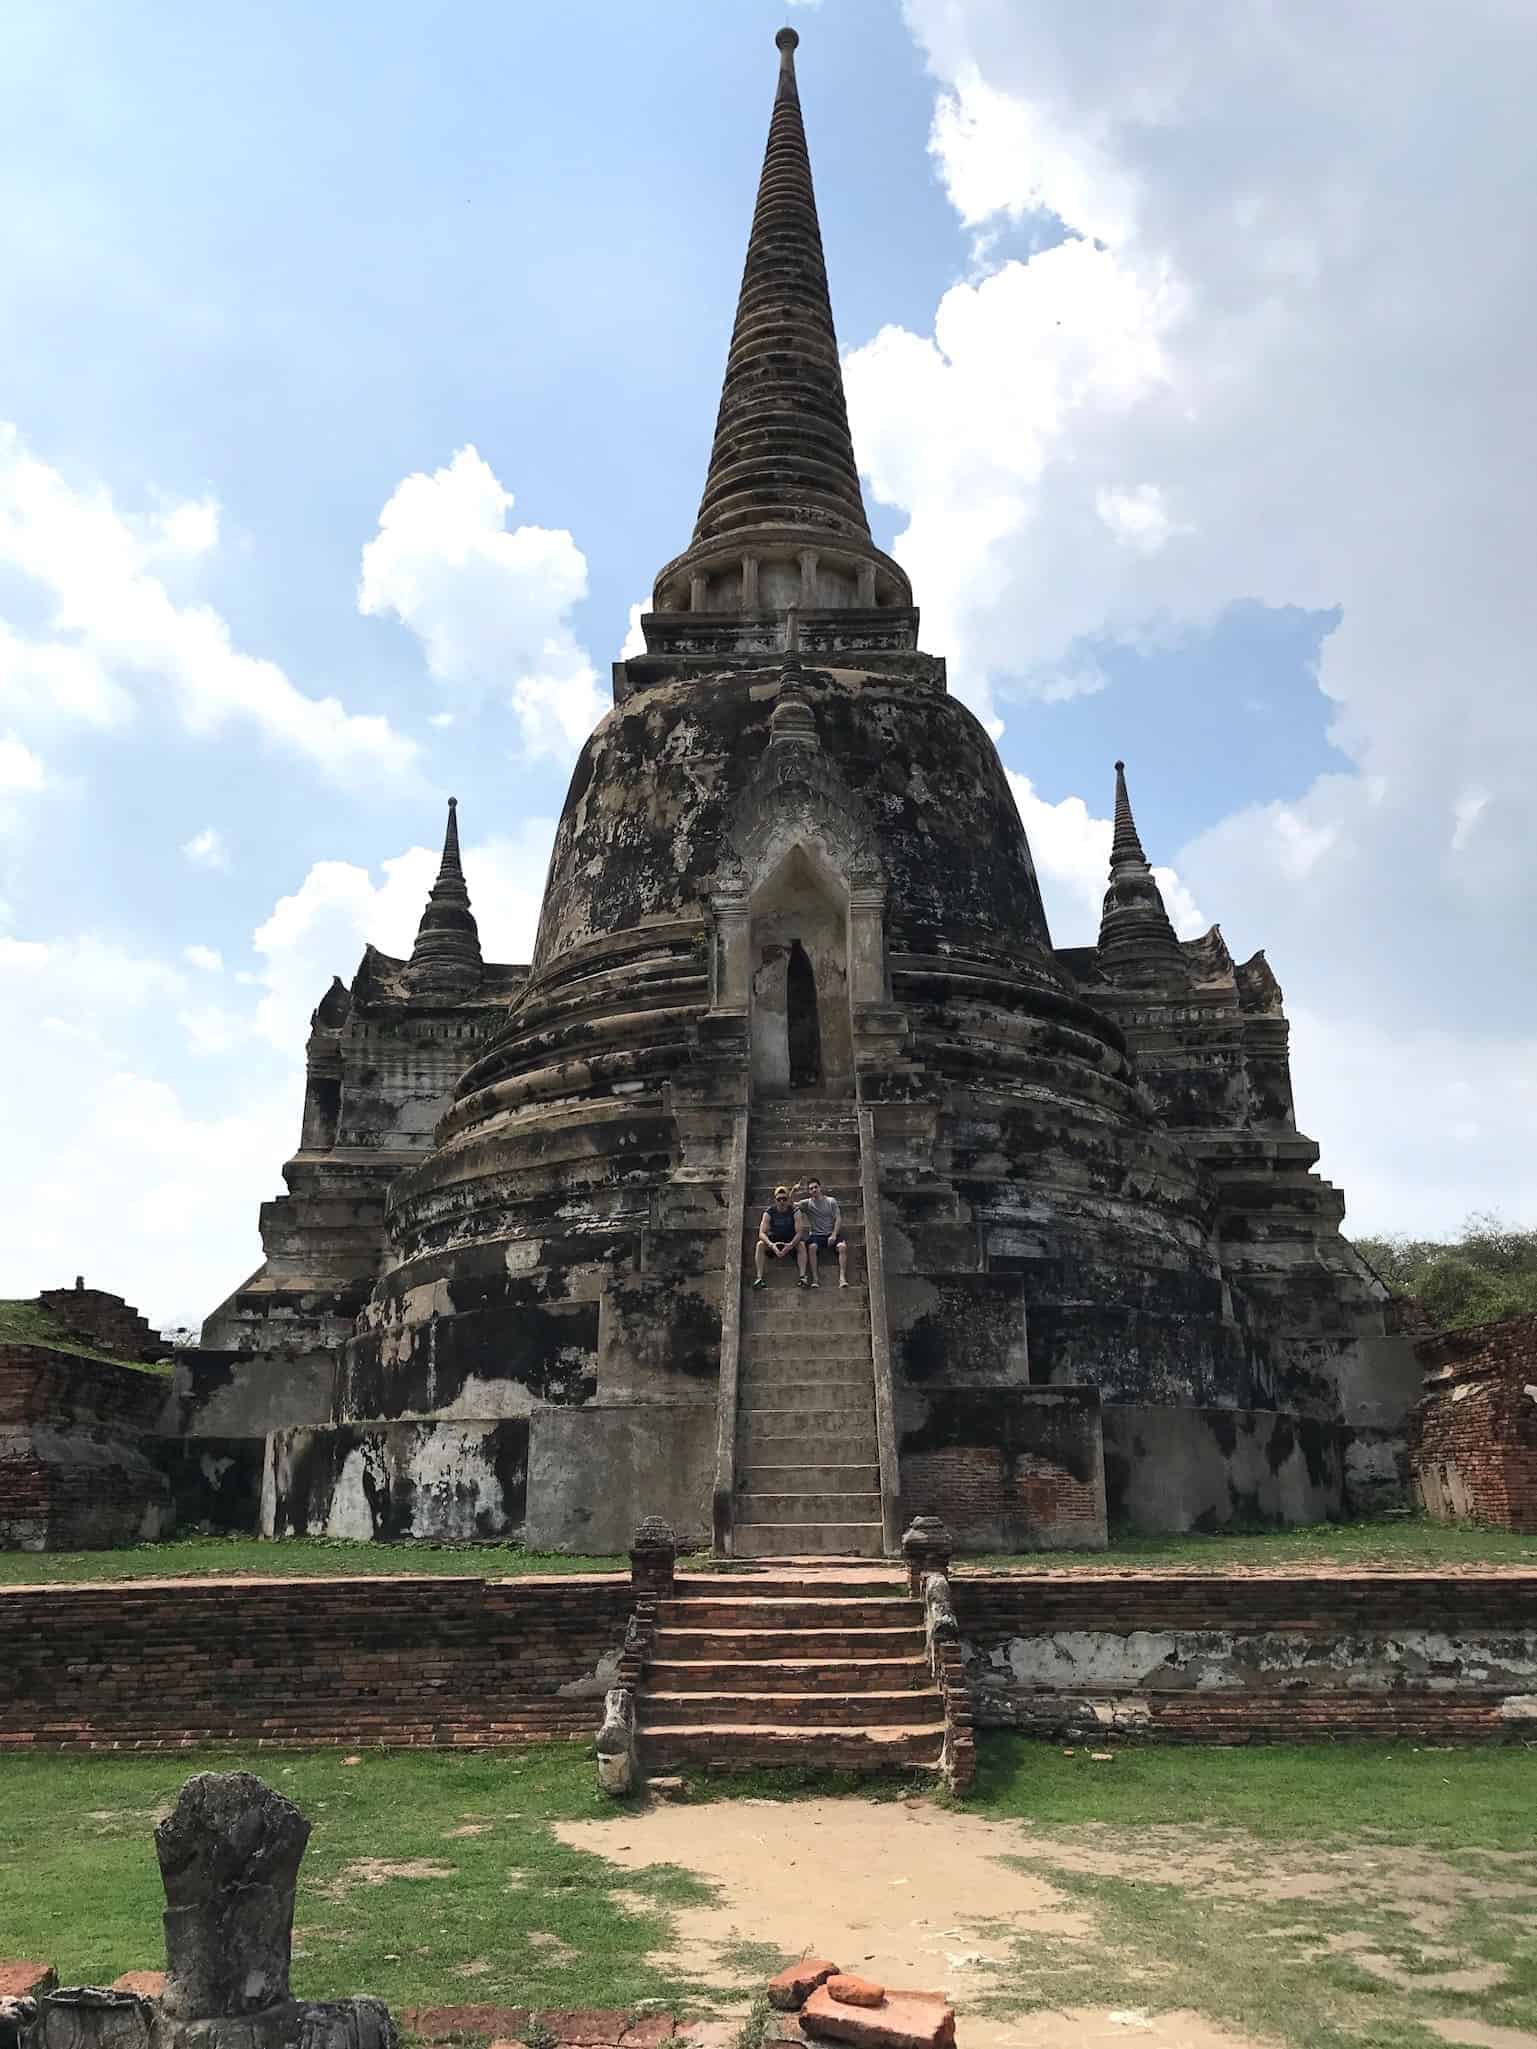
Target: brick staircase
x=807, y=1468
x=819, y=1668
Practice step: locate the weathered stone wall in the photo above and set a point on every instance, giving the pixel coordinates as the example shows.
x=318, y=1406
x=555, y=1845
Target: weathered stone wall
x=1207, y=1659
x=75, y=1468
x=1007, y=1469
x=632, y=1461
x=238, y=1394
x=1204, y=1468
x=455, y=1481
x=297, y=1662
x=1473, y=1437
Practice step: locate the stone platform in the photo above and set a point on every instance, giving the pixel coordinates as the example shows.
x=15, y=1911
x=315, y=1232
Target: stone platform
x=1209, y=1657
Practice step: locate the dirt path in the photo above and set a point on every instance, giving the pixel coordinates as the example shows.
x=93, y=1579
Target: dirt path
x=919, y=1895
x=901, y=1891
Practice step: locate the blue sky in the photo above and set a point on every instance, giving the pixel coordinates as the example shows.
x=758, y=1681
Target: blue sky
x=1181, y=363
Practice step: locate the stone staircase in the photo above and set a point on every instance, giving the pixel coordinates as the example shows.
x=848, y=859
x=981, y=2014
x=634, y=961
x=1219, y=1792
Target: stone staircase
x=825, y=1669
x=807, y=1467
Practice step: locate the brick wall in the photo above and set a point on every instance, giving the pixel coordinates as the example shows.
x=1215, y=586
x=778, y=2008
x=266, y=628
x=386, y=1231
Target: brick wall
x=293, y=1662
x=74, y=1469
x=97, y=1318
x=1473, y=1437
x=1007, y=1469
x=1208, y=1659
x=41, y=1386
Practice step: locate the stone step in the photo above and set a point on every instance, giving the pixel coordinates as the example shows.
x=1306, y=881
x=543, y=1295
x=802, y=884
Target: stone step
x=800, y=1582
x=765, y=1395
x=725, y=1748
x=748, y=1611
x=778, y=1351
x=827, y=1419
x=789, y=1675
x=808, y=1540
x=786, y=1387
x=763, y=1449
x=762, y=1478
x=734, y=1645
x=842, y=1506
x=658, y=1710
x=792, y=1308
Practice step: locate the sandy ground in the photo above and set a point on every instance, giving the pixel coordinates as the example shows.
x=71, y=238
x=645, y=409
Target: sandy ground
x=914, y=1894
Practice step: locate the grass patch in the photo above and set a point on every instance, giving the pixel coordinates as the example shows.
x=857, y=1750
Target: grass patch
x=1322, y=1897
x=1402, y=1886
x=430, y=1878
x=28, y=1323
x=1409, y=1543
x=1472, y=1798
x=288, y=1558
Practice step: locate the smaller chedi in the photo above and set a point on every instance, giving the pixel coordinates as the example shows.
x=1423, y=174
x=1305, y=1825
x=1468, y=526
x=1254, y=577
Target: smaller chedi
x=792, y=928
x=383, y=1057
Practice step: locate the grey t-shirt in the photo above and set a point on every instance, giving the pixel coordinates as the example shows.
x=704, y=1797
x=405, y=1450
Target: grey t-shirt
x=821, y=1214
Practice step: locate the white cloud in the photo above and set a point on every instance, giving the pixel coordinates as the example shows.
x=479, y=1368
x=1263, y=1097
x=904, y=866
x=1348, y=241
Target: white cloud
x=490, y=606
x=109, y=1172
x=1139, y=519
x=635, y=639
x=1276, y=358
x=206, y=849
x=112, y=1169
x=20, y=769
x=1476, y=1120
x=117, y=635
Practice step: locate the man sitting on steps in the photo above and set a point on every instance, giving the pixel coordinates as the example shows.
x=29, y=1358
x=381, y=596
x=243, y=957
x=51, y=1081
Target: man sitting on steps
x=822, y=1222
x=780, y=1232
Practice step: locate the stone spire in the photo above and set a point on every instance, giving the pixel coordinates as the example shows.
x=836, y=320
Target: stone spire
x=1136, y=940
x=782, y=519
x=446, y=958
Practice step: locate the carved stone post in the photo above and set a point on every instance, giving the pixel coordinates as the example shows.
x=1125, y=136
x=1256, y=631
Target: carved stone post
x=867, y=938
x=698, y=584
x=808, y=562
x=733, y=965
x=926, y=1548
x=229, y=1860
x=653, y=1556
x=865, y=594
x=749, y=583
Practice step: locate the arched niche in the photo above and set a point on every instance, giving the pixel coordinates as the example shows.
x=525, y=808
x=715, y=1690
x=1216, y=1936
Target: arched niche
x=798, y=953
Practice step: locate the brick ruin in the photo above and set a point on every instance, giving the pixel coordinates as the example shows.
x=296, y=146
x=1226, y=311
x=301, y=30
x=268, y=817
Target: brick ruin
x=771, y=1664
x=791, y=926
x=1473, y=1435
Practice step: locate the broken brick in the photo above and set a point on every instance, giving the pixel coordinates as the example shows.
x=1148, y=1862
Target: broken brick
x=796, y=1982
x=904, y=2020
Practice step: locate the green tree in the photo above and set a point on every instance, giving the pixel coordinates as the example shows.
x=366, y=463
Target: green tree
x=1488, y=1271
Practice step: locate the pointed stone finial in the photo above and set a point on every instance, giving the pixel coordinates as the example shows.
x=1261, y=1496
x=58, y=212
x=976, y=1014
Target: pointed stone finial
x=782, y=494
x=446, y=958
x=1136, y=939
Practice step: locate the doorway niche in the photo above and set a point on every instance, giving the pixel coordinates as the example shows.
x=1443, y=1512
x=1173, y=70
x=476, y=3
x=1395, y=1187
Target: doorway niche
x=802, y=1039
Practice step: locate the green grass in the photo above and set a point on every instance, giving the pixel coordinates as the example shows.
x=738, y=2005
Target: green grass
x=27, y=1323
x=1454, y=1829
x=288, y=1558
x=1169, y=1853
x=1409, y=1543
x=1406, y=1543
x=514, y=1917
